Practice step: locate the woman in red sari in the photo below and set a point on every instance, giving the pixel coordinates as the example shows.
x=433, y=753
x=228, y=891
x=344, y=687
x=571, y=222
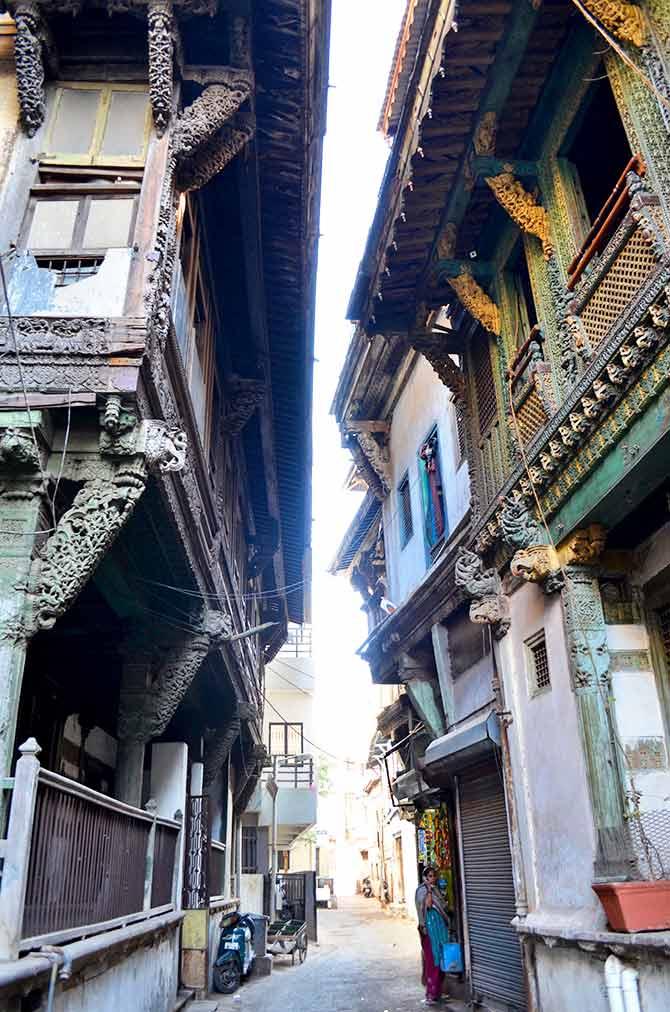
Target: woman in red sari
x=433, y=929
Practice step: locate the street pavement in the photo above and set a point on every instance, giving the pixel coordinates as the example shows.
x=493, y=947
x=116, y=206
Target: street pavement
x=365, y=961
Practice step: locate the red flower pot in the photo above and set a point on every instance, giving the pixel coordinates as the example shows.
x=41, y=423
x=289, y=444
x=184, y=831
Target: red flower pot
x=636, y=906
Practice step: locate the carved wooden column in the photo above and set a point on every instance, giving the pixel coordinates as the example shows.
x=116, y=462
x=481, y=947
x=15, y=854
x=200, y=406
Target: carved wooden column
x=22, y=514
x=589, y=672
x=29, y=66
x=161, y=25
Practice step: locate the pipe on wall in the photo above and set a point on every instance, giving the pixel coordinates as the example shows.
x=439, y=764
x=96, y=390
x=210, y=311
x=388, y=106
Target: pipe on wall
x=622, y=984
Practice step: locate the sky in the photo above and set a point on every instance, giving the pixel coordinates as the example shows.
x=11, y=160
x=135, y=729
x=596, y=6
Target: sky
x=363, y=39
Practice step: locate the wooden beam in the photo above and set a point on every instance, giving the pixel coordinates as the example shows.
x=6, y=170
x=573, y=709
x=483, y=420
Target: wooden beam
x=484, y=165
x=452, y=268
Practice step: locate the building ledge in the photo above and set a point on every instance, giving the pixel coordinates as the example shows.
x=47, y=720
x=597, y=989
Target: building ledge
x=102, y=950
x=593, y=940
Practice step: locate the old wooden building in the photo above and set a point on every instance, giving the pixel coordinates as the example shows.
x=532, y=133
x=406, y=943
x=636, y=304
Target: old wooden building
x=517, y=508
x=159, y=192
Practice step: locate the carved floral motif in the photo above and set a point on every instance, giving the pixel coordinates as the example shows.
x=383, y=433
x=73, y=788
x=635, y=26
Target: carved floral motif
x=477, y=302
x=210, y=159
x=209, y=112
x=624, y=20
x=29, y=67
x=243, y=397
x=18, y=451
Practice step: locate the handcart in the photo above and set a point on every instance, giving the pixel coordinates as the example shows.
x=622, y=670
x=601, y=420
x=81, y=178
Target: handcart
x=286, y=938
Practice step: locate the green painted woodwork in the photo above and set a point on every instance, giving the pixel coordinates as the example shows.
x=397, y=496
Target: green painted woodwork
x=421, y=689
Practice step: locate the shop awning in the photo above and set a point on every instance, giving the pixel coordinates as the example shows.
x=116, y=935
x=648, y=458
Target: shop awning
x=474, y=739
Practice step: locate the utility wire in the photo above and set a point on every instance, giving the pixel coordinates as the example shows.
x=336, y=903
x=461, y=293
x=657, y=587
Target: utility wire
x=339, y=759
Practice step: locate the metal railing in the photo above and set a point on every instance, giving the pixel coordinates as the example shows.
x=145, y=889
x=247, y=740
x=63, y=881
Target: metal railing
x=77, y=862
x=298, y=642
x=291, y=770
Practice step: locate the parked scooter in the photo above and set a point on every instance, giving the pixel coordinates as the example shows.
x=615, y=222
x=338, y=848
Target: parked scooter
x=236, y=955
x=367, y=887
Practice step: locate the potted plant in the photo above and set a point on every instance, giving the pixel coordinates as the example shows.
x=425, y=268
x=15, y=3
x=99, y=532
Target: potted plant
x=642, y=904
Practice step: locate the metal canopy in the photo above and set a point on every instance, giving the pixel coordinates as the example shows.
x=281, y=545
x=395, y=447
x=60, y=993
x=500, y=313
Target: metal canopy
x=475, y=739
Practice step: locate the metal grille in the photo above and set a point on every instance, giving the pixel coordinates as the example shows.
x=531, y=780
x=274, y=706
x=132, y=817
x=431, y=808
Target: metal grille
x=530, y=416
x=650, y=836
x=249, y=850
x=405, y=511
x=87, y=863
x=630, y=270
x=71, y=269
x=495, y=952
x=539, y=659
x=485, y=390
x=196, y=891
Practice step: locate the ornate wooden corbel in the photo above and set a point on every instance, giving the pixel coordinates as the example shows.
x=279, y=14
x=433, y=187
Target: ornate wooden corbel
x=372, y=439
x=28, y=46
x=522, y=208
x=199, y=122
x=477, y=302
x=212, y=158
x=218, y=743
x=18, y=453
x=161, y=28
x=484, y=141
x=624, y=20
x=243, y=397
x=446, y=243
x=489, y=606
x=97, y=515
x=431, y=346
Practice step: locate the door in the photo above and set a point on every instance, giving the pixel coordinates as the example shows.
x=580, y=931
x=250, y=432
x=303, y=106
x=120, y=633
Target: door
x=496, y=967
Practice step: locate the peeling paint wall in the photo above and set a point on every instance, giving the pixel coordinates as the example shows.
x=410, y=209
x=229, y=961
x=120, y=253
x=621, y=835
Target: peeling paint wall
x=33, y=292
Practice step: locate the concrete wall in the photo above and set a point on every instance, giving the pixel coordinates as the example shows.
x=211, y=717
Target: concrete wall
x=251, y=894
x=568, y=979
x=145, y=981
x=424, y=403
x=551, y=788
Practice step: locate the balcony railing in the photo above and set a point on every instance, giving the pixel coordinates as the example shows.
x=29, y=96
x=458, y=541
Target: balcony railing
x=77, y=862
x=295, y=771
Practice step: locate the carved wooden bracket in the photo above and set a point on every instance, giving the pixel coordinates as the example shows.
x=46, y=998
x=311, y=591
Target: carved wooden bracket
x=431, y=346
x=218, y=743
x=522, y=208
x=489, y=606
x=160, y=703
x=161, y=28
x=209, y=112
x=372, y=439
x=477, y=302
x=100, y=510
x=624, y=20
x=18, y=453
x=212, y=158
x=243, y=396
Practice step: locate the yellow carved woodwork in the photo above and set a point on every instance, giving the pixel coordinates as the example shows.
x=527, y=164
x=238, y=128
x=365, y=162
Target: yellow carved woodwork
x=522, y=208
x=582, y=547
x=626, y=21
x=477, y=302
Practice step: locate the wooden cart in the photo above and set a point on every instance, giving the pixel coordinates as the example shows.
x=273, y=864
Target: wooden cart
x=286, y=938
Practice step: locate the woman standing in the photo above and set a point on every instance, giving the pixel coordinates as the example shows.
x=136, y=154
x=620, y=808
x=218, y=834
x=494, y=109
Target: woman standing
x=434, y=932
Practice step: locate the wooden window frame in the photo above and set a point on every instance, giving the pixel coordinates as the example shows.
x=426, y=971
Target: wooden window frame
x=426, y=502
x=286, y=724
x=405, y=518
x=93, y=157
x=83, y=195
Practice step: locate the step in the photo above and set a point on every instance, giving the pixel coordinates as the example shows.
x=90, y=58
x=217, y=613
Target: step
x=203, y=1006
x=183, y=997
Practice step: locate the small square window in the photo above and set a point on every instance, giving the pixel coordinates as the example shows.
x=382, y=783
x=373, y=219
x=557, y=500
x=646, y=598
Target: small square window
x=539, y=678
x=405, y=511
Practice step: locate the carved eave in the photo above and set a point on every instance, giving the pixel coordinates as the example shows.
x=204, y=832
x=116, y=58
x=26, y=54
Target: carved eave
x=522, y=208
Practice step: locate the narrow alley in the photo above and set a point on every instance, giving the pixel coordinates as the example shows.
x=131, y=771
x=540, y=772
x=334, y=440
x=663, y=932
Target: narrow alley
x=365, y=960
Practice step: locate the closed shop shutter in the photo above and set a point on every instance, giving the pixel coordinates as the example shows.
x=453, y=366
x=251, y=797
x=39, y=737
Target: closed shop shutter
x=496, y=965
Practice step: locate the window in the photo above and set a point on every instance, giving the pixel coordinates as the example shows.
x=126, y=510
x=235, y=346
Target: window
x=249, y=850
x=599, y=148
x=286, y=739
x=485, y=390
x=195, y=318
x=432, y=492
x=405, y=511
x=84, y=200
x=98, y=124
x=538, y=664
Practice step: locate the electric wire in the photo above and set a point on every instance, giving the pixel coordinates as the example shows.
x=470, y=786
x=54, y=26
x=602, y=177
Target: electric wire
x=331, y=755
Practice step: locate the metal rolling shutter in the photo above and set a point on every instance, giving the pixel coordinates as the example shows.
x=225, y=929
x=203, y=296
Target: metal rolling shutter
x=497, y=971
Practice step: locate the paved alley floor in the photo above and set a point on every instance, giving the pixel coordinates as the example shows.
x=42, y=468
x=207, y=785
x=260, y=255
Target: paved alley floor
x=366, y=961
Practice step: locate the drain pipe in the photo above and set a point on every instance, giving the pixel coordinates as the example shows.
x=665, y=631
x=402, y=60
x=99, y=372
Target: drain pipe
x=630, y=989
x=613, y=971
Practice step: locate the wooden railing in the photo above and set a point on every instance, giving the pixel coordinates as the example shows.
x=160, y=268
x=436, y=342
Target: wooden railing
x=78, y=862
x=606, y=222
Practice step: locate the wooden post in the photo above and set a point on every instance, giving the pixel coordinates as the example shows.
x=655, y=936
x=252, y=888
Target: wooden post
x=16, y=850
x=152, y=808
